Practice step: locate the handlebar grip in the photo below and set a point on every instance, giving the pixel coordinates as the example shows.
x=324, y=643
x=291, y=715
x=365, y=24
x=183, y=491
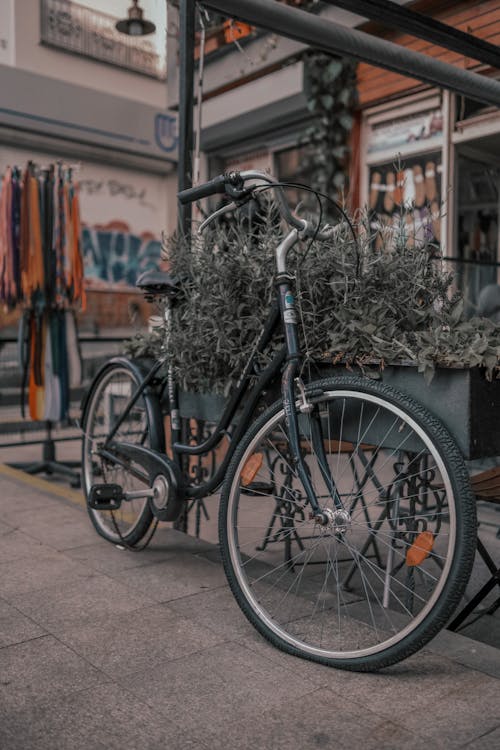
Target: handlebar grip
x=217, y=185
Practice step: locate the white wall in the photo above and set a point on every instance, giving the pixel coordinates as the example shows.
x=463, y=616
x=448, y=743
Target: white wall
x=33, y=56
x=7, y=36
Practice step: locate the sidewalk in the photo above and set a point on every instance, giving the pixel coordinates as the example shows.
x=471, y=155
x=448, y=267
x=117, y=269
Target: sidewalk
x=106, y=648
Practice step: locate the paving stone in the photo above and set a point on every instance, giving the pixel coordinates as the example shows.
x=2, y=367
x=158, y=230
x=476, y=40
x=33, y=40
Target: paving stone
x=319, y=674
x=486, y=629
x=469, y=652
x=156, y=654
x=488, y=741
x=57, y=526
x=6, y=528
x=105, y=557
x=138, y=640
x=322, y=719
x=216, y=609
x=181, y=575
x=463, y=714
x=17, y=497
x=204, y=690
x=425, y=682
x=16, y=627
x=176, y=541
x=42, y=668
x=46, y=568
x=23, y=738
x=14, y=545
x=79, y=603
x=106, y=717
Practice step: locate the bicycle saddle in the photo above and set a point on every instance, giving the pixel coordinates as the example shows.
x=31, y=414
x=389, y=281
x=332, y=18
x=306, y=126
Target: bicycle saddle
x=154, y=283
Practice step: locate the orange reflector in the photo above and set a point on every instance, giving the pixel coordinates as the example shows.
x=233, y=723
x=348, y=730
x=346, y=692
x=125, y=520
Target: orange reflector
x=420, y=549
x=251, y=468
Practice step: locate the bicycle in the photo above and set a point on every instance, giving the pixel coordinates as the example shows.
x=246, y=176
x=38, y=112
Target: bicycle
x=346, y=523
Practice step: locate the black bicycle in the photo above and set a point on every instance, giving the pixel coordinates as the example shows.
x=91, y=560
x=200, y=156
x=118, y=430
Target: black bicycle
x=346, y=525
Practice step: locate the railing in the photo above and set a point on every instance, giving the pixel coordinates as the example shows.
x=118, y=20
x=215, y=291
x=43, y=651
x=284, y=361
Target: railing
x=83, y=31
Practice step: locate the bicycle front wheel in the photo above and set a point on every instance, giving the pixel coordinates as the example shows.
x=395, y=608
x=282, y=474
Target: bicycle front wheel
x=385, y=573
x=108, y=397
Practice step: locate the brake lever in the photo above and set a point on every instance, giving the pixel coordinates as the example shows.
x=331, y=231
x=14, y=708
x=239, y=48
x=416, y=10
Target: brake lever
x=220, y=212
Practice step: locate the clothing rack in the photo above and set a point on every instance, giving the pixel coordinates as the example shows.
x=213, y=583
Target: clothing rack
x=41, y=271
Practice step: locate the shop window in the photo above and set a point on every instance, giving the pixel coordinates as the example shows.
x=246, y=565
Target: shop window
x=403, y=151
x=467, y=108
x=411, y=185
x=476, y=255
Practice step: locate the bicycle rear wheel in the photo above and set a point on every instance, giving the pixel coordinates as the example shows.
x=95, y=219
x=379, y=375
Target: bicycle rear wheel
x=385, y=574
x=109, y=394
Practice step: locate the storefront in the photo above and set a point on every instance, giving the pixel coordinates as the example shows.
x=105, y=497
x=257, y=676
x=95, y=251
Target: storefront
x=436, y=154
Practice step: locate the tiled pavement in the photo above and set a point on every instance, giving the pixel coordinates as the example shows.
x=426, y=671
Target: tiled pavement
x=106, y=648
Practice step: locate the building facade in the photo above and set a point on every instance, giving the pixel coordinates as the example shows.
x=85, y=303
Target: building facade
x=410, y=142
x=76, y=90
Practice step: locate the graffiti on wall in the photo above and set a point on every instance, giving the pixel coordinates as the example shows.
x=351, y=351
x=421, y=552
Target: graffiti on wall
x=113, y=254
x=114, y=189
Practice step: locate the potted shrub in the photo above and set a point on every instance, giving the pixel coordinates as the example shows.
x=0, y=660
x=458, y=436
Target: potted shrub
x=380, y=305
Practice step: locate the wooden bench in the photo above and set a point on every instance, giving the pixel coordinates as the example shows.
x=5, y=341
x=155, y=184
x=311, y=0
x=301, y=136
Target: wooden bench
x=486, y=487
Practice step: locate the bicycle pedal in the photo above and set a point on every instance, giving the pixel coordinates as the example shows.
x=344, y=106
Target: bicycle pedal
x=105, y=496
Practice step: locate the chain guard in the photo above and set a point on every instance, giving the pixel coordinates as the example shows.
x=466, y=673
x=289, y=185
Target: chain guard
x=164, y=477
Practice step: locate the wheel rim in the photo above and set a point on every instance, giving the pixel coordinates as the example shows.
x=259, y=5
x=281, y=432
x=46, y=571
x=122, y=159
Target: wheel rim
x=109, y=398
x=332, y=593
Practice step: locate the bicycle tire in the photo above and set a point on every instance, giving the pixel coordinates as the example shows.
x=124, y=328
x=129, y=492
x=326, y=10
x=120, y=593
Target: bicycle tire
x=110, y=390
x=354, y=594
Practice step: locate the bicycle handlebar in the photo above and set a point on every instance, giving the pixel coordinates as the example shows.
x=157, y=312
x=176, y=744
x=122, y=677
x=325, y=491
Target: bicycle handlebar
x=217, y=185
x=233, y=183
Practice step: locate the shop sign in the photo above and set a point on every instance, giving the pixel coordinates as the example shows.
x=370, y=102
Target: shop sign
x=396, y=134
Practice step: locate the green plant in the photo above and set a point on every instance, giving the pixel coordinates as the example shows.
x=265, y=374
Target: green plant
x=360, y=303
x=331, y=99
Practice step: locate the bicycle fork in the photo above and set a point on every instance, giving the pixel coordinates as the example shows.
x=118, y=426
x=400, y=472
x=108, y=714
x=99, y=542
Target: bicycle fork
x=289, y=317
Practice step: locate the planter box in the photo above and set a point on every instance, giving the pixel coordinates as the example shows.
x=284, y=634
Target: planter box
x=206, y=406
x=466, y=403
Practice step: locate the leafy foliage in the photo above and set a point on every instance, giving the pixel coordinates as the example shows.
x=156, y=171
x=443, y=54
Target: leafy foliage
x=361, y=303
x=332, y=96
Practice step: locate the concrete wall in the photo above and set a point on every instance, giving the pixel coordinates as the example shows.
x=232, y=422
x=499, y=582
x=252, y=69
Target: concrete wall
x=31, y=55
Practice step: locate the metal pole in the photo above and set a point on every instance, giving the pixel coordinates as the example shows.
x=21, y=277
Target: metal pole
x=186, y=73
x=324, y=34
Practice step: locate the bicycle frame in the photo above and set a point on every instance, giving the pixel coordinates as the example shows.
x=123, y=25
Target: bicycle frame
x=242, y=389
x=285, y=312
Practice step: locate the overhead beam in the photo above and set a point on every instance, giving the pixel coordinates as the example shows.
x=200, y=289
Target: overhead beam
x=331, y=37
x=389, y=13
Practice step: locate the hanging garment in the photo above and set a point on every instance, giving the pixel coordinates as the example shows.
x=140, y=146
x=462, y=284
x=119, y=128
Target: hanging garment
x=73, y=349
x=41, y=266
x=5, y=236
x=54, y=409
x=36, y=375
x=79, y=291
